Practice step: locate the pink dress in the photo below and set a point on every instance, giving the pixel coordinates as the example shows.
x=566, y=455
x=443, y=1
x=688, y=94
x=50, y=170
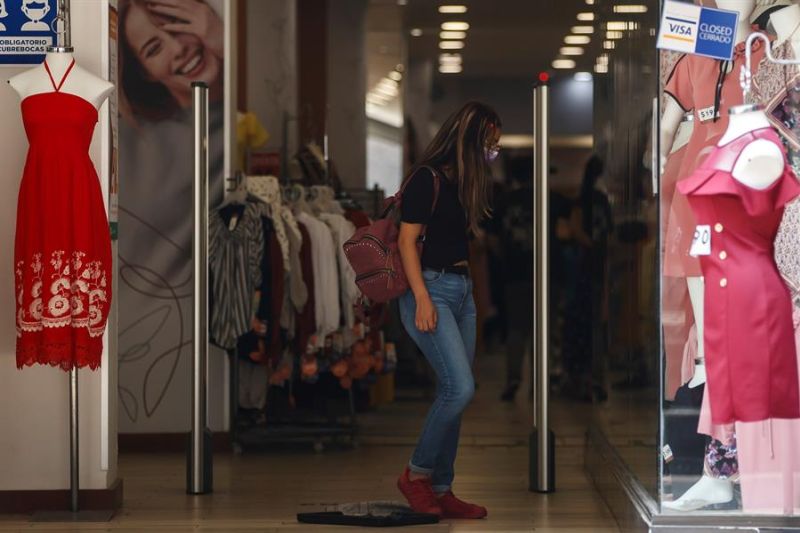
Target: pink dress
x=751, y=360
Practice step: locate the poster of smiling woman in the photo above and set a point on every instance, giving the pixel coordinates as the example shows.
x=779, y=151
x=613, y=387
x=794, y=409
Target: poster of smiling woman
x=164, y=46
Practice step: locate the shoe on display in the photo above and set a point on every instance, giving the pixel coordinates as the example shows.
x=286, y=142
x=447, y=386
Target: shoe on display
x=419, y=494
x=708, y=492
x=452, y=507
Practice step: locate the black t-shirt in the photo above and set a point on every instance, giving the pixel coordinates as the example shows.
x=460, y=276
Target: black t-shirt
x=446, y=240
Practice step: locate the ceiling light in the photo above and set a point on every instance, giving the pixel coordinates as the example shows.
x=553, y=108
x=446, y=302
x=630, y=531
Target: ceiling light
x=586, y=17
x=385, y=91
x=450, y=69
x=571, y=51
x=582, y=29
x=602, y=59
x=452, y=35
x=583, y=76
x=402, y=2
x=614, y=35
x=609, y=45
x=577, y=39
x=637, y=8
x=601, y=69
x=455, y=26
x=374, y=100
x=453, y=9
x=386, y=82
x=563, y=64
x=451, y=45
x=416, y=32
x=589, y=2
x=450, y=59
x=621, y=26
x=396, y=76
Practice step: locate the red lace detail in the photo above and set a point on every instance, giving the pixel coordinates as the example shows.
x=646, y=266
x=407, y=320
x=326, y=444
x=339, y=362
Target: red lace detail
x=65, y=355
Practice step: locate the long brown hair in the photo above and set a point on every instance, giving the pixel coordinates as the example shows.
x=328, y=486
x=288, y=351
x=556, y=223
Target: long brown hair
x=460, y=145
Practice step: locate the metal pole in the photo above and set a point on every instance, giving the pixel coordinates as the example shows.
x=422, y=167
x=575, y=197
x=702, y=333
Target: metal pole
x=199, y=472
x=542, y=448
x=74, y=465
x=64, y=10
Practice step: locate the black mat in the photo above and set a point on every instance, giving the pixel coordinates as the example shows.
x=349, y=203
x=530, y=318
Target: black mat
x=368, y=514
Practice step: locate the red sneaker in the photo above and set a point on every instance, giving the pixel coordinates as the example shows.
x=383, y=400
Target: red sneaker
x=452, y=507
x=419, y=494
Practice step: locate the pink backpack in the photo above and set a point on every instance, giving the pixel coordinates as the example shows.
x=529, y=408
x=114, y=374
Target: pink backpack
x=373, y=253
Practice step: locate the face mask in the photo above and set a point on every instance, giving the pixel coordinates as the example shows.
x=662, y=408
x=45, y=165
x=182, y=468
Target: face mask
x=492, y=154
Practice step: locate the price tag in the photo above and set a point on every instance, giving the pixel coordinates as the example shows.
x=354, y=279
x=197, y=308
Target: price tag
x=666, y=452
x=707, y=114
x=701, y=245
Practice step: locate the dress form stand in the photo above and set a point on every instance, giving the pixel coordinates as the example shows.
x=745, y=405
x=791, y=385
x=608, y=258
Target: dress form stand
x=60, y=65
x=760, y=164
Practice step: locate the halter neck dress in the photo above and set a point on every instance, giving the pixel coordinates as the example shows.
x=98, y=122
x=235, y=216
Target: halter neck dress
x=62, y=251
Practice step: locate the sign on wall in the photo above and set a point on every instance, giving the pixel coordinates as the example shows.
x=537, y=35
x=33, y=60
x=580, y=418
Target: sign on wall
x=26, y=30
x=698, y=30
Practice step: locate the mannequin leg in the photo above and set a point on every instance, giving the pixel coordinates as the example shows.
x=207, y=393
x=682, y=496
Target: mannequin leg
x=697, y=297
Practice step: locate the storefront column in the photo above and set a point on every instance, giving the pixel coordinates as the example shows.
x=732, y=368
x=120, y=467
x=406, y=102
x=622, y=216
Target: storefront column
x=347, y=75
x=312, y=61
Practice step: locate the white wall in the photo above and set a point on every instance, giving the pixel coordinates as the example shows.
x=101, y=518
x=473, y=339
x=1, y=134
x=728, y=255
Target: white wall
x=34, y=402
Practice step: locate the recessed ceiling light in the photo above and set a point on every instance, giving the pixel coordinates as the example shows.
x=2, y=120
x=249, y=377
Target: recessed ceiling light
x=563, y=64
x=571, y=51
x=609, y=45
x=602, y=59
x=385, y=91
x=589, y=2
x=637, y=8
x=621, y=26
x=452, y=35
x=614, y=35
x=583, y=76
x=453, y=9
x=455, y=26
x=396, y=76
x=402, y=2
x=582, y=30
x=416, y=32
x=601, y=69
x=450, y=59
x=387, y=82
x=577, y=39
x=376, y=100
x=586, y=16
x=451, y=45
x=450, y=69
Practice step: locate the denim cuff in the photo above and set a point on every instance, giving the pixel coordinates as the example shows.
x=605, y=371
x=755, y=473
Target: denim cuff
x=419, y=469
x=441, y=489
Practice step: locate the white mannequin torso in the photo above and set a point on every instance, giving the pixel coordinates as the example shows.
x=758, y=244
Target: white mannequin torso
x=79, y=82
x=787, y=25
x=761, y=162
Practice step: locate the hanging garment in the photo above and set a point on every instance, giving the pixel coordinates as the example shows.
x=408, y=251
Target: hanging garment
x=267, y=189
x=776, y=87
x=749, y=337
x=326, y=277
x=769, y=462
x=62, y=251
x=342, y=230
x=234, y=258
x=708, y=88
x=305, y=321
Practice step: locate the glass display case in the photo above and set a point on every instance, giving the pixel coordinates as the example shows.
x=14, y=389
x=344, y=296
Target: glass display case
x=695, y=288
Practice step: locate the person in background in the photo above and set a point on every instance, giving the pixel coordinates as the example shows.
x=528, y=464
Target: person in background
x=586, y=317
x=439, y=310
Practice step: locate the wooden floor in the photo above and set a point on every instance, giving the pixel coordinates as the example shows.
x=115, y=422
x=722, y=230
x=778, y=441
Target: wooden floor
x=263, y=492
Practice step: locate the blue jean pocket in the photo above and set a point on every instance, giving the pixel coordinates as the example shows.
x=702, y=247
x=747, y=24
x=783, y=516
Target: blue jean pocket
x=431, y=276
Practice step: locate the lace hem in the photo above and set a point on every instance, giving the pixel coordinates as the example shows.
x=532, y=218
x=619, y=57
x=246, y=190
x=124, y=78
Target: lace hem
x=77, y=323
x=64, y=355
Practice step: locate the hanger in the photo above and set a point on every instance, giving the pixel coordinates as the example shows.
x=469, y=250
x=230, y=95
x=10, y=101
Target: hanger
x=237, y=191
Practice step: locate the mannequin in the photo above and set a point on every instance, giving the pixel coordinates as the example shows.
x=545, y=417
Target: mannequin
x=709, y=490
x=759, y=166
x=80, y=81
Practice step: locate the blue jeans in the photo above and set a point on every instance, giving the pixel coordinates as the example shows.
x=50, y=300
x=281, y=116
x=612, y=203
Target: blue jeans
x=450, y=350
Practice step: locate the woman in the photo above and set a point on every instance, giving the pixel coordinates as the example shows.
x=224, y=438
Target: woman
x=166, y=45
x=438, y=311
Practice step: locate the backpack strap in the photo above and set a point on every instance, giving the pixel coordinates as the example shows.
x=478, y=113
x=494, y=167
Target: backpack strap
x=436, y=189
x=397, y=199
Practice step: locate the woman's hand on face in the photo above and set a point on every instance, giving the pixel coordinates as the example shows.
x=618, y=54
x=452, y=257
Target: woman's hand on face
x=427, y=317
x=194, y=17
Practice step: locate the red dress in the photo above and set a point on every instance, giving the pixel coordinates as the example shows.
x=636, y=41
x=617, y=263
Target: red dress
x=751, y=360
x=62, y=252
